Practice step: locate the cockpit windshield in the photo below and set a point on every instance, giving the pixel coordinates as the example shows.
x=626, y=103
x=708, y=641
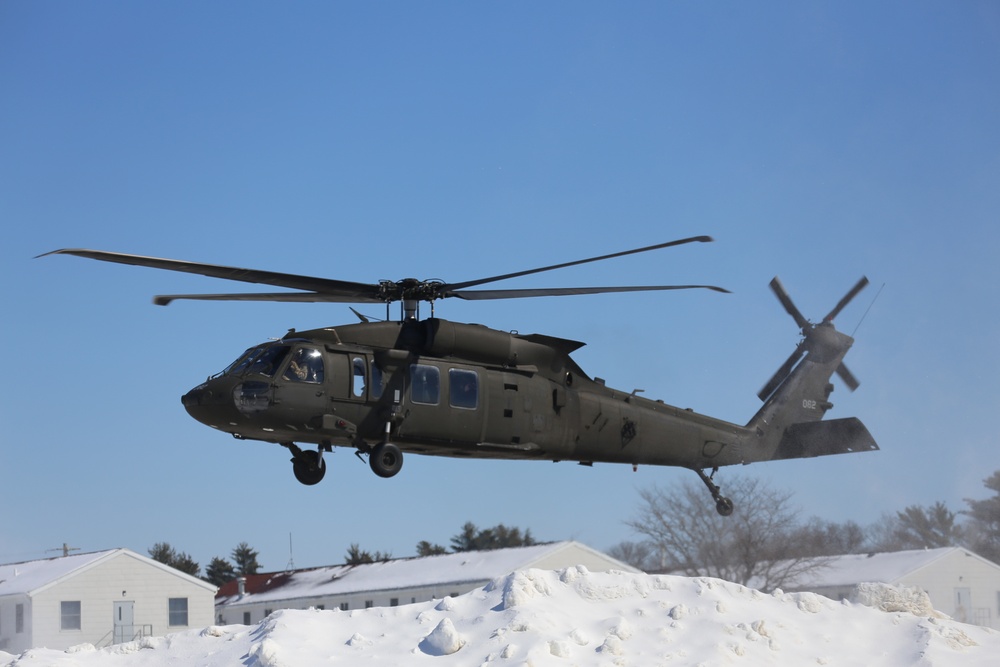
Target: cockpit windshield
x=241, y=362
x=263, y=359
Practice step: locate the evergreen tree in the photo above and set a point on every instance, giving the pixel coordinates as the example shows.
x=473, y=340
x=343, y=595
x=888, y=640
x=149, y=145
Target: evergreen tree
x=984, y=521
x=245, y=559
x=500, y=536
x=425, y=548
x=927, y=527
x=162, y=552
x=219, y=572
x=186, y=564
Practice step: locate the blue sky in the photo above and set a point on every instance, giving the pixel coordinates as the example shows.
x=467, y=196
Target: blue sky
x=365, y=141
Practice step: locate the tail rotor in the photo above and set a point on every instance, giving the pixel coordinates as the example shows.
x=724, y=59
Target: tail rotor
x=812, y=340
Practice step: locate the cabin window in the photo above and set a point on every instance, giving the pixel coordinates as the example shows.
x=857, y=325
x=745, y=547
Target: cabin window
x=358, y=386
x=19, y=618
x=393, y=602
x=246, y=618
x=267, y=362
x=178, y=611
x=425, y=384
x=344, y=606
x=463, y=388
x=306, y=366
x=69, y=613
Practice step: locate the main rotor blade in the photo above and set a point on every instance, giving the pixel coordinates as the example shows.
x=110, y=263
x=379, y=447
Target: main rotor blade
x=847, y=299
x=518, y=274
x=283, y=297
x=786, y=301
x=483, y=295
x=340, y=288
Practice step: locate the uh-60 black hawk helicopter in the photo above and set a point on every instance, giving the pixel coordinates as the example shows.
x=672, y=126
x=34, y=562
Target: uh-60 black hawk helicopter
x=465, y=390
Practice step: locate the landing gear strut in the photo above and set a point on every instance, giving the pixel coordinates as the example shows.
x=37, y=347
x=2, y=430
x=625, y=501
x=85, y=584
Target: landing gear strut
x=723, y=505
x=307, y=466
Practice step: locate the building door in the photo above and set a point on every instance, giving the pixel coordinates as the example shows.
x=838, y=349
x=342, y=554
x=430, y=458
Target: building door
x=963, y=605
x=124, y=623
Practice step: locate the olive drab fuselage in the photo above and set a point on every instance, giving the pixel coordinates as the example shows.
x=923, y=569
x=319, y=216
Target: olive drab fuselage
x=444, y=388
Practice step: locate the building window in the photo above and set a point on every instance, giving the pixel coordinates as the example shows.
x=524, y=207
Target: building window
x=246, y=618
x=344, y=606
x=267, y=612
x=321, y=607
x=69, y=613
x=393, y=602
x=369, y=604
x=19, y=618
x=178, y=611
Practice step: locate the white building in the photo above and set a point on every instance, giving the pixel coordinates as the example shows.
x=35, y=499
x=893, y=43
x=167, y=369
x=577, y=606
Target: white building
x=97, y=598
x=395, y=582
x=958, y=582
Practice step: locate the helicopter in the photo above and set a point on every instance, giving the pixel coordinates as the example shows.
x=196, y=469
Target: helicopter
x=436, y=387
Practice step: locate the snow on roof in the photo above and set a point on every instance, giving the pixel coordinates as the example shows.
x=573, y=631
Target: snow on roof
x=852, y=569
x=31, y=577
x=402, y=573
x=25, y=578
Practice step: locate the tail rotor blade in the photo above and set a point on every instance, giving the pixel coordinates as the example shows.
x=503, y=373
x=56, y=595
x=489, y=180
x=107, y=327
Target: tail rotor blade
x=848, y=377
x=847, y=299
x=780, y=375
x=786, y=301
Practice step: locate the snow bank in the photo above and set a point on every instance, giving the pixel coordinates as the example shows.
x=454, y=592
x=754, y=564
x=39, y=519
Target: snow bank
x=570, y=617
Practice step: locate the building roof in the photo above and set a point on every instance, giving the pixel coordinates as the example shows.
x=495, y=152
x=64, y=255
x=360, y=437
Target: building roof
x=32, y=577
x=398, y=574
x=889, y=567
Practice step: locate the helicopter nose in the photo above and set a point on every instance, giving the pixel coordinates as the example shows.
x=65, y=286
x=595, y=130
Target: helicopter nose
x=194, y=397
x=205, y=403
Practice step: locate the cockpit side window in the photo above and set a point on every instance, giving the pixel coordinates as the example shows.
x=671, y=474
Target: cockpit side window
x=306, y=366
x=358, y=383
x=267, y=362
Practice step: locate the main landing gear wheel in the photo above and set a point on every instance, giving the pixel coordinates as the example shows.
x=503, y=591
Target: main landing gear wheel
x=308, y=467
x=724, y=506
x=386, y=459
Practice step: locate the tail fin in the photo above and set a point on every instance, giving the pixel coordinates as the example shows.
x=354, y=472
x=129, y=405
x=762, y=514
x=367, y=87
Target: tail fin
x=797, y=395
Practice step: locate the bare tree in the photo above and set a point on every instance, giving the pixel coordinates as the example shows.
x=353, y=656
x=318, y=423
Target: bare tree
x=637, y=554
x=754, y=546
x=819, y=537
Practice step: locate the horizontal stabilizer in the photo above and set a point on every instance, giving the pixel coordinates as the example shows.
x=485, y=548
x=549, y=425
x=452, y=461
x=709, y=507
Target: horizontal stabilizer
x=821, y=438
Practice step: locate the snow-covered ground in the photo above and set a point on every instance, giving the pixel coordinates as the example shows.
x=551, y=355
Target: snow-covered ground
x=570, y=617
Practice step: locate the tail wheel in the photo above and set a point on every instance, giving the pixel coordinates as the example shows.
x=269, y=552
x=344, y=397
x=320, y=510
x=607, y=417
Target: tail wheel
x=386, y=459
x=308, y=468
